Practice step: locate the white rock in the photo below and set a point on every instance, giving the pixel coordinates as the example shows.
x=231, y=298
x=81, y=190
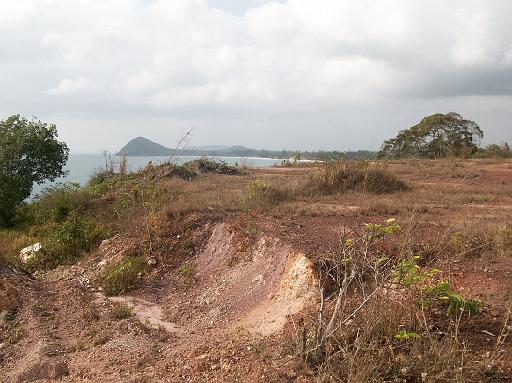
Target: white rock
x=30, y=252
x=152, y=261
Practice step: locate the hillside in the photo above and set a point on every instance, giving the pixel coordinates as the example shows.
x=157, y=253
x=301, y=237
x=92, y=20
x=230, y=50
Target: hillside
x=141, y=146
x=205, y=272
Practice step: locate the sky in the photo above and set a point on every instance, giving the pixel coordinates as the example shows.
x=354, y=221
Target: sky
x=296, y=74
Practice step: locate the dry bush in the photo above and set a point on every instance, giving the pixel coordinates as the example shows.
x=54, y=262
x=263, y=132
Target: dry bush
x=12, y=242
x=338, y=177
x=207, y=165
x=373, y=321
x=382, y=345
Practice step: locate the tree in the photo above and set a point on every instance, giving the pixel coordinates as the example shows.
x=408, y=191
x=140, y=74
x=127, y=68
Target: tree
x=438, y=135
x=29, y=153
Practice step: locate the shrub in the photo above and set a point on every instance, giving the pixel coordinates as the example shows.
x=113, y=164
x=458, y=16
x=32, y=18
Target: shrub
x=337, y=177
x=182, y=172
x=103, y=181
x=123, y=276
x=507, y=240
x=207, y=165
x=56, y=202
x=64, y=242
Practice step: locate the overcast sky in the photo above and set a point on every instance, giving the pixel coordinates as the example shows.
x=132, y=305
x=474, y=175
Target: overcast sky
x=297, y=74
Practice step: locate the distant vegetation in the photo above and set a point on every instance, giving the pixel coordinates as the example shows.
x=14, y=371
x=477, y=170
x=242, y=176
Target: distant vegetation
x=436, y=136
x=29, y=153
x=141, y=146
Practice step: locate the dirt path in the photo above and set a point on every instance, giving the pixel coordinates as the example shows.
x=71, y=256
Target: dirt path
x=147, y=312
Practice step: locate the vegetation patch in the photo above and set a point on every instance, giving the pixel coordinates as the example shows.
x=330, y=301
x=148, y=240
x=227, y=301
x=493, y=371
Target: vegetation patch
x=64, y=242
x=337, y=177
x=207, y=165
x=187, y=271
x=121, y=311
x=15, y=336
x=124, y=275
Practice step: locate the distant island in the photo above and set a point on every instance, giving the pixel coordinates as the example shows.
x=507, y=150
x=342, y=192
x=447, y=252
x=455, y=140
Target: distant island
x=142, y=146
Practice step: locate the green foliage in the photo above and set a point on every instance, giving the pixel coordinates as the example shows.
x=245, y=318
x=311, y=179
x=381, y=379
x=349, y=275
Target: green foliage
x=101, y=182
x=455, y=303
x=260, y=195
x=506, y=240
x=56, y=202
x=494, y=151
x=65, y=241
x=254, y=191
x=11, y=243
x=15, y=336
x=207, y=165
x=121, y=311
x=379, y=231
x=123, y=276
x=438, y=135
x=410, y=275
x=29, y=153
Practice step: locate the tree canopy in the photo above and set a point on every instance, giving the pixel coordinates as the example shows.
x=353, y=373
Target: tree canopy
x=438, y=135
x=29, y=153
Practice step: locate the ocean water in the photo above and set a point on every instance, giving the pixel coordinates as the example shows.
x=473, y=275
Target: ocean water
x=81, y=167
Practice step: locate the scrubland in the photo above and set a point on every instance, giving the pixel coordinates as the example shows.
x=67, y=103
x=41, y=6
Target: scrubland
x=371, y=271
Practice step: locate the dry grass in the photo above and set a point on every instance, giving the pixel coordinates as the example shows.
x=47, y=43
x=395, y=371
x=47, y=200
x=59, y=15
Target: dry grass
x=368, y=351
x=339, y=177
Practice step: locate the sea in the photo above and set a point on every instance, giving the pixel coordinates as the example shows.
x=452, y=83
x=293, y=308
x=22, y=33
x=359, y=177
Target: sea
x=81, y=167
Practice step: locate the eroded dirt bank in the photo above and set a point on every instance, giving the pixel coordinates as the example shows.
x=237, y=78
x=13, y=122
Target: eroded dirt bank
x=71, y=332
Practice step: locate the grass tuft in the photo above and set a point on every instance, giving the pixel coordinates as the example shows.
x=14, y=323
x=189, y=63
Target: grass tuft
x=123, y=276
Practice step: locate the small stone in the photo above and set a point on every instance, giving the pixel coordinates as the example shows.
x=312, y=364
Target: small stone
x=152, y=261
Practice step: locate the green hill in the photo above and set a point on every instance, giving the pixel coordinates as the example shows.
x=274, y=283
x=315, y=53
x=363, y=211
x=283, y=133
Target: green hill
x=141, y=146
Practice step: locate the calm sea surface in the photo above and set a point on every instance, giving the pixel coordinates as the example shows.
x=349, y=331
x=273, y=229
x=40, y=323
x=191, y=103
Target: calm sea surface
x=82, y=166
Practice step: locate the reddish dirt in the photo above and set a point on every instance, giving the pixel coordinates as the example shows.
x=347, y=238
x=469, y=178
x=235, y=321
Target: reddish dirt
x=229, y=313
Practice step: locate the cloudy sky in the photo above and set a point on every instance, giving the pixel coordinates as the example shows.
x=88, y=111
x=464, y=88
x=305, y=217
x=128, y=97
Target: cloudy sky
x=296, y=74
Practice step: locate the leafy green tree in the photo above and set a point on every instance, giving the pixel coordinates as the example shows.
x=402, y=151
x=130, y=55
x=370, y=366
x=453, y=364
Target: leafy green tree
x=29, y=153
x=438, y=135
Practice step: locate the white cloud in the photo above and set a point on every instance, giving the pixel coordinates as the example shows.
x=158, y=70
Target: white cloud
x=72, y=86
x=163, y=57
